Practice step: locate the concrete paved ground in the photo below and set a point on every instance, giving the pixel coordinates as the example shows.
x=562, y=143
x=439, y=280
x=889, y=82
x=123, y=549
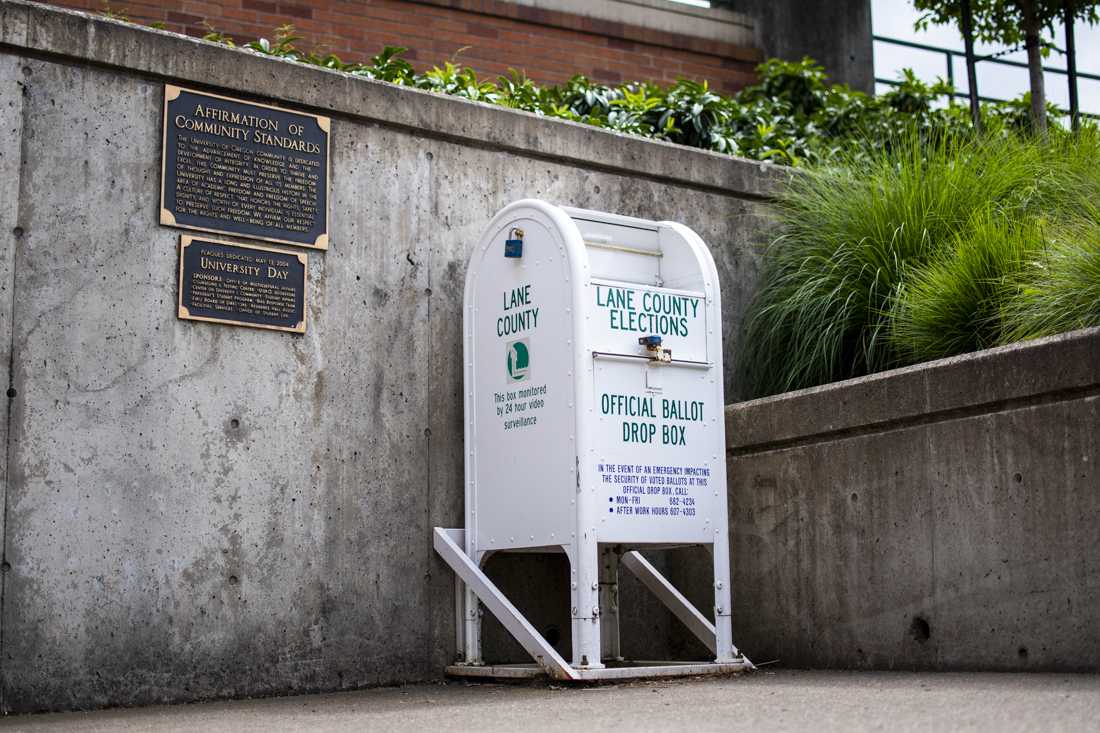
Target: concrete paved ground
x=768, y=700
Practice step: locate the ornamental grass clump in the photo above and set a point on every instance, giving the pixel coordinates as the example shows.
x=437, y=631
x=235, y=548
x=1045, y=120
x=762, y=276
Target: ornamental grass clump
x=1060, y=289
x=954, y=302
x=910, y=253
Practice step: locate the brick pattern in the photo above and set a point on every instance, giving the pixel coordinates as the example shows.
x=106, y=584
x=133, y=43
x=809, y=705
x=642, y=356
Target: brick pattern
x=489, y=35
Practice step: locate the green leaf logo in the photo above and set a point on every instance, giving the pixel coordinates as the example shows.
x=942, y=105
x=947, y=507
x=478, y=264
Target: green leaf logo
x=518, y=355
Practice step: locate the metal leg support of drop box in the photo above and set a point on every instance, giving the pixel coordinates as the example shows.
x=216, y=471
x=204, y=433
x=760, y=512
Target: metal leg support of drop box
x=473, y=582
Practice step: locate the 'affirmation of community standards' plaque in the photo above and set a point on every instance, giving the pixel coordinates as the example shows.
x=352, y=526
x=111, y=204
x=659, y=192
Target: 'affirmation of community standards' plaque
x=242, y=285
x=242, y=168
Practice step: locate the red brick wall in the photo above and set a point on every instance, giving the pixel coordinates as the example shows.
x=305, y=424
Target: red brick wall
x=550, y=46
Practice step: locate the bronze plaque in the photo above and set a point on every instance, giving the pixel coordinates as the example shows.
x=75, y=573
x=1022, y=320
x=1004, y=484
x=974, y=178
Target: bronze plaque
x=243, y=285
x=242, y=168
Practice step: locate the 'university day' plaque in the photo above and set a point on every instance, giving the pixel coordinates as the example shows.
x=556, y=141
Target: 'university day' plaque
x=242, y=285
x=243, y=168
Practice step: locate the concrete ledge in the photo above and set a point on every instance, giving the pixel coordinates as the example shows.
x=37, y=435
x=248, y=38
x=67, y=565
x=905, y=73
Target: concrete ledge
x=40, y=29
x=1063, y=365
x=944, y=516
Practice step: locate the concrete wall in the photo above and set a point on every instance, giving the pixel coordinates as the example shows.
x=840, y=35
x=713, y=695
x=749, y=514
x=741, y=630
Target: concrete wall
x=194, y=510
x=945, y=516
x=836, y=34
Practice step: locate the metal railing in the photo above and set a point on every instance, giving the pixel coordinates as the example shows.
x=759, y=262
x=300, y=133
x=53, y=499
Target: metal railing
x=950, y=54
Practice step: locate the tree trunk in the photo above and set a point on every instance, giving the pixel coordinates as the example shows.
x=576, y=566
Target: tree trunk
x=971, y=74
x=1071, y=66
x=1035, y=69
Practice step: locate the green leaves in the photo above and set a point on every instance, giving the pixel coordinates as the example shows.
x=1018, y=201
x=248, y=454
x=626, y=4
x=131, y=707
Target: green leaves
x=519, y=92
x=791, y=116
x=925, y=247
x=387, y=66
x=953, y=303
x=460, y=82
x=1002, y=21
x=283, y=46
x=1059, y=289
x=799, y=85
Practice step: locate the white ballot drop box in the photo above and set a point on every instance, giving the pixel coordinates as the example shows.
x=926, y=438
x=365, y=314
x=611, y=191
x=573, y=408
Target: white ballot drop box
x=593, y=426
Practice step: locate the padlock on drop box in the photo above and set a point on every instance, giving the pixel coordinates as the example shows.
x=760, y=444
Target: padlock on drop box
x=513, y=246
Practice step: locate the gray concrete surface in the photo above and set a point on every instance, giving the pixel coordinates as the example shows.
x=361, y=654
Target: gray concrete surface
x=945, y=516
x=198, y=511
x=836, y=34
x=785, y=701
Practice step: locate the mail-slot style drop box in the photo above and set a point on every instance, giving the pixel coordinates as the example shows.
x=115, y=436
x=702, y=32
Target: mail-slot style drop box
x=593, y=415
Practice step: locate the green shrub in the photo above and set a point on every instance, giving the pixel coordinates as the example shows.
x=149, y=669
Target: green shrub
x=791, y=116
x=954, y=302
x=1060, y=288
x=898, y=255
x=1072, y=190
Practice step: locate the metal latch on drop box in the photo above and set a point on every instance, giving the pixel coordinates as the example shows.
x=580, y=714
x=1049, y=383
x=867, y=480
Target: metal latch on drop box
x=654, y=350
